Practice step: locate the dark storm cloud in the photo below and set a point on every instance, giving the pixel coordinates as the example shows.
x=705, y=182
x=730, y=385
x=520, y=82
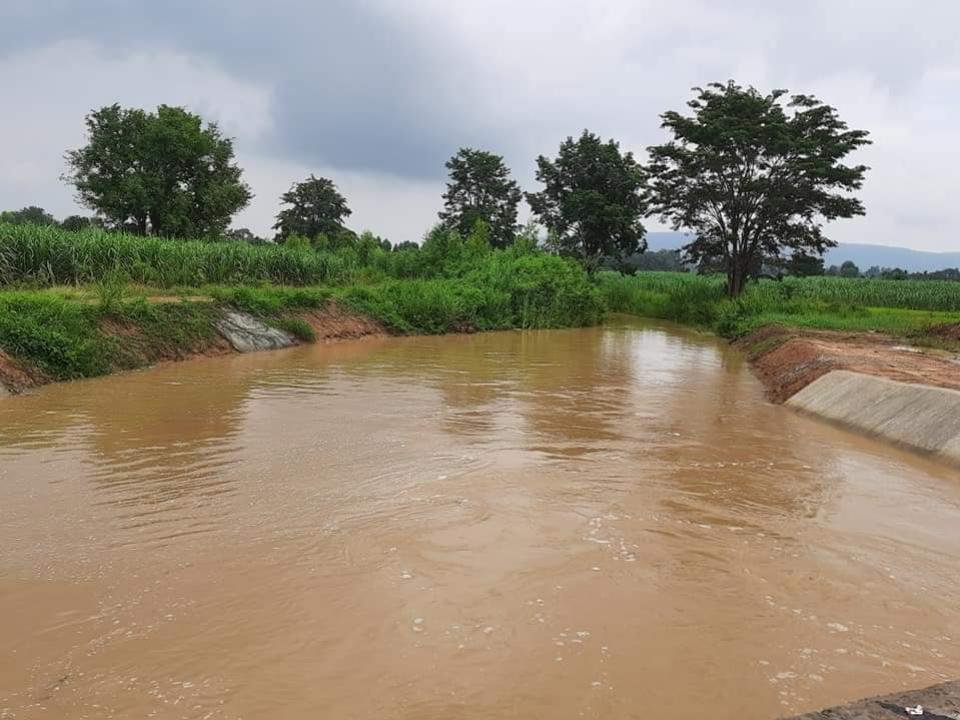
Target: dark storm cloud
x=352, y=87
x=378, y=93
x=392, y=87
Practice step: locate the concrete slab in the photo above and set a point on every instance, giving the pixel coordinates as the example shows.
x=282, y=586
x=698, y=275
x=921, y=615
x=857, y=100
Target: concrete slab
x=247, y=334
x=920, y=417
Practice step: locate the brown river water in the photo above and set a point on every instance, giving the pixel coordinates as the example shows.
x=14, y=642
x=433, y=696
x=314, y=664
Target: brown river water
x=601, y=523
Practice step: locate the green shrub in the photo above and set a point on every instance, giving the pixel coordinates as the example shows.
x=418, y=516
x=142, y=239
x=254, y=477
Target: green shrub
x=543, y=290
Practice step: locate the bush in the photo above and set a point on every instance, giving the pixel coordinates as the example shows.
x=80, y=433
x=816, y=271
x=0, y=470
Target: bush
x=543, y=290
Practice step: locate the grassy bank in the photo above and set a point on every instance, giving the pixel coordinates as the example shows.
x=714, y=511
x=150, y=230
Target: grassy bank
x=902, y=308
x=84, y=331
x=76, y=304
x=59, y=337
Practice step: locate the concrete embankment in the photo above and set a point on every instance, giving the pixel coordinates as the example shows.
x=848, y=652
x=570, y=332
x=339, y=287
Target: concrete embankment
x=247, y=334
x=940, y=702
x=867, y=382
x=919, y=417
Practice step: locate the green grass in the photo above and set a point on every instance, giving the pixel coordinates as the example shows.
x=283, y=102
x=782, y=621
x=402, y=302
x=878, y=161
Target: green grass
x=298, y=327
x=87, y=331
x=55, y=335
x=43, y=256
x=63, y=338
x=903, y=308
x=269, y=299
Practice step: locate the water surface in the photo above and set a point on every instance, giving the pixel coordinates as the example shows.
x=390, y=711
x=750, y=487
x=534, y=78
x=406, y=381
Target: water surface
x=604, y=523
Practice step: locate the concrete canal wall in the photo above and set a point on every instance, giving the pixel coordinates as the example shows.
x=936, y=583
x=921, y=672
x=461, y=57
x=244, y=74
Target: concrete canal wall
x=919, y=417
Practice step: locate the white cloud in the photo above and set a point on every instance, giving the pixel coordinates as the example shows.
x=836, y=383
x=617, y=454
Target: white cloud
x=396, y=208
x=53, y=88
x=58, y=85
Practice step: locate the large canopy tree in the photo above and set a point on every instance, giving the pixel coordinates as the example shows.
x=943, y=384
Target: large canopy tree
x=591, y=202
x=160, y=173
x=753, y=176
x=480, y=188
x=316, y=207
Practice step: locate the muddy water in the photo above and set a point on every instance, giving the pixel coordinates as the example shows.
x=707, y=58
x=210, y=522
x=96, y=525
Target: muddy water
x=606, y=523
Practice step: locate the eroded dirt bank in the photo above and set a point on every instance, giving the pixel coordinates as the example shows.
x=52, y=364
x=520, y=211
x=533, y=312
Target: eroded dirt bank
x=329, y=323
x=16, y=377
x=789, y=359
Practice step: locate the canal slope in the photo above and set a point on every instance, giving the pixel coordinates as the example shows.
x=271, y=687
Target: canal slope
x=919, y=417
x=172, y=329
x=869, y=383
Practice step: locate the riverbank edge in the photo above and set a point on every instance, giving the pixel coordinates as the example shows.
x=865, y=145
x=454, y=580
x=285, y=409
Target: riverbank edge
x=896, y=392
x=921, y=418
x=868, y=383
x=224, y=330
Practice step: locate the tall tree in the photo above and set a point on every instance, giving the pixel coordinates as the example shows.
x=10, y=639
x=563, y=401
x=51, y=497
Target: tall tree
x=480, y=188
x=76, y=222
x=160, y=173
x=802, y=264
x=591, y=202
x=243, y=235
x=316, y=207
x=754, y=176
x=849, y=269
x=31, y=214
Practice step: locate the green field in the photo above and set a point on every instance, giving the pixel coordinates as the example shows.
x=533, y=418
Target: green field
x=899, y=307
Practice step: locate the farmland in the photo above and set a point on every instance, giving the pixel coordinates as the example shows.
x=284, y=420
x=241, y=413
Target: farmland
x=905, y=308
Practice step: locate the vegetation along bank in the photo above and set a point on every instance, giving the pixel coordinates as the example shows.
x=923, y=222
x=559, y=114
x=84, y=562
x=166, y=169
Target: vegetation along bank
x=157, y=273
x=81, y=304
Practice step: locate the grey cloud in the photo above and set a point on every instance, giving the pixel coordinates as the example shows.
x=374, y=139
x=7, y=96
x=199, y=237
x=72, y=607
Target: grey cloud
x=391, y=88
x=352, y=87
x=361, y=85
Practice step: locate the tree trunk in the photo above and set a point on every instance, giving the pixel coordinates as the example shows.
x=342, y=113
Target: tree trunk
x=736, y=278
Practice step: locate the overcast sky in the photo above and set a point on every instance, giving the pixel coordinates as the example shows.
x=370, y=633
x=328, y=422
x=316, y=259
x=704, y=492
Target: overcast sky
x=377, y=94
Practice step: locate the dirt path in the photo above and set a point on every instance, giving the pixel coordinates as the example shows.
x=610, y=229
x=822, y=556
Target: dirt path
x=787, y=360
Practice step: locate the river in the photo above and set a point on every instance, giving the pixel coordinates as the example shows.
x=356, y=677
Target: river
x=603, y=523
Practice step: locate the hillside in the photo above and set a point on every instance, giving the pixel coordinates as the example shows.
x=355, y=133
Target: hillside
x=864, y=255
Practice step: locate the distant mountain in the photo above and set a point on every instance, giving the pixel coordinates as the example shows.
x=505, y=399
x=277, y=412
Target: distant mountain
x=666, y=240
x=864, y=256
